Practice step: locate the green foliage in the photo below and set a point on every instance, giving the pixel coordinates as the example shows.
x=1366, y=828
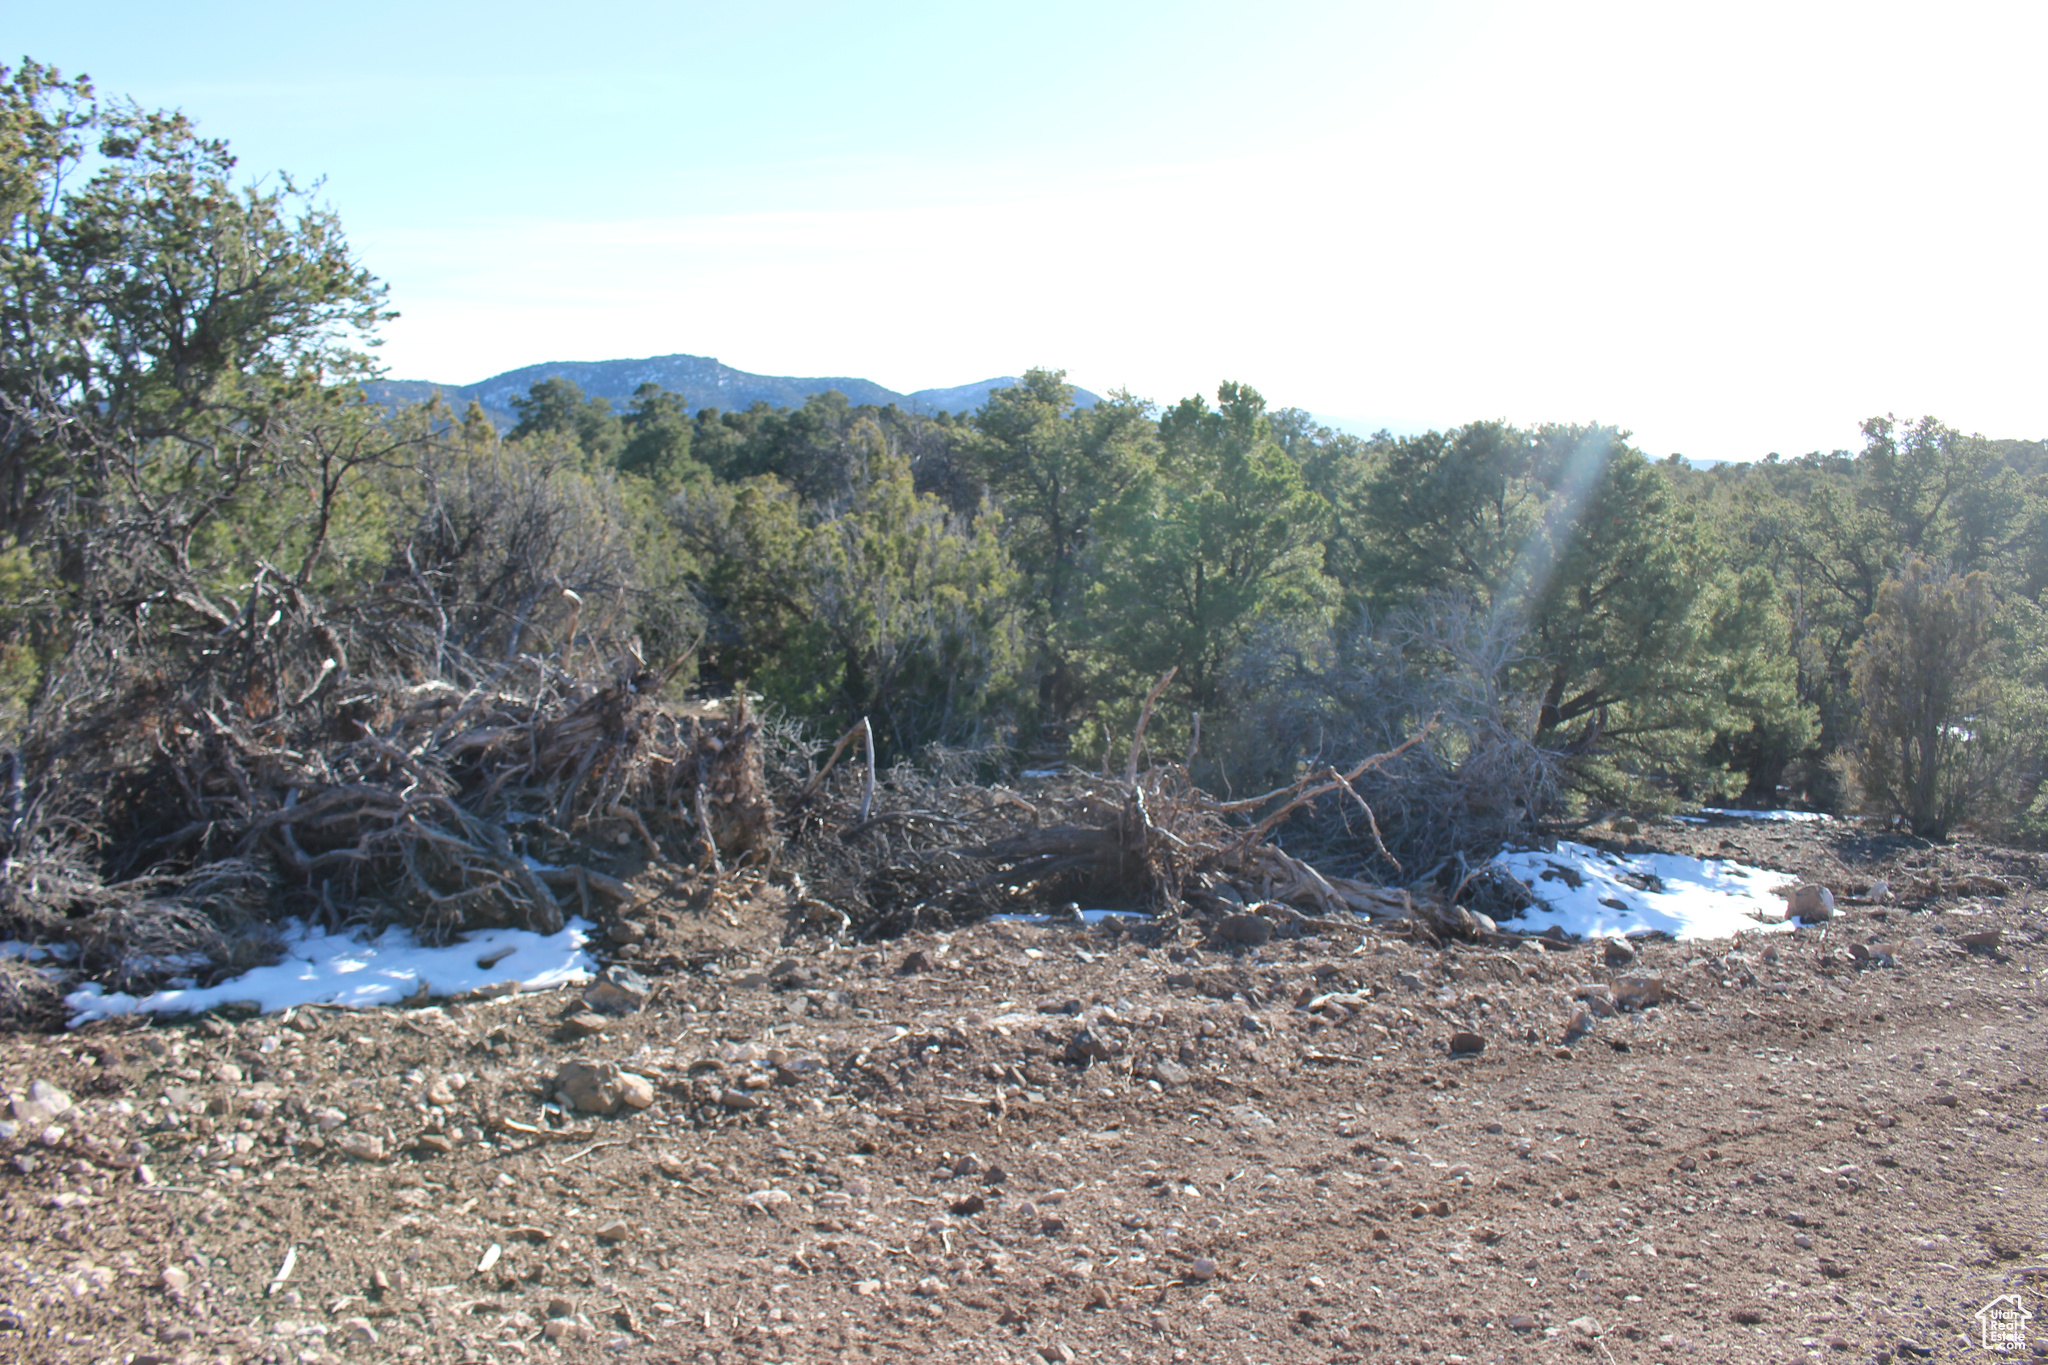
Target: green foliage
x=1218, y=537
x=657, y=439
x=887, y=607
x=1924, y=673
x=556, y=407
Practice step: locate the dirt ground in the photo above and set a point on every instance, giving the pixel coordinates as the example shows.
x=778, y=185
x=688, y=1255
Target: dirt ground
x=1050, y=1143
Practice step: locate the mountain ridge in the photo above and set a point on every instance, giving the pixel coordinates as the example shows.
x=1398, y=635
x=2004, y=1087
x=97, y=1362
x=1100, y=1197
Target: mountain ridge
x=702, y=381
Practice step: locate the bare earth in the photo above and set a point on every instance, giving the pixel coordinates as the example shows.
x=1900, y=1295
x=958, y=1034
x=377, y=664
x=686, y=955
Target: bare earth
x=1041, y=1144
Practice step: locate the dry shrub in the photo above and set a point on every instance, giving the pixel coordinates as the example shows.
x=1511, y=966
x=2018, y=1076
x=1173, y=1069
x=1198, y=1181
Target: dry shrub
x=1445, y=806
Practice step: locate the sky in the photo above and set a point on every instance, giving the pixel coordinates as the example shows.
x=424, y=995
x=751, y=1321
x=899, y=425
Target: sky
x=1729, y=229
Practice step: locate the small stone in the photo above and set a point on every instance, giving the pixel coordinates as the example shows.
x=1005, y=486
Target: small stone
x=913, y=962
x=175, y=1279
x=43, y=1104
x=1617, y=954
x=1465, y=1044
x=1171, y=1073
x=1087, y=1046
x=380, y=1283
x=1812, y=902
x=1802, y=1241
x=592, y=1087
x=1585, y=1327
x=359, y=1331
x=361, y=1146
x=1579, y=1027
x=440, y=1094
x=1983, y=938
x=618, y=1230
x=1746, y=1317
x=1201, y=1270
x=1411, y=981
x=635, y=1092
x=433, y=1142
x=582, y=1024
x=969, y=1206
x=1639, y=992
x=1521, y=1322
x=617, y=990
x=737, y=1099
x=1245, y=931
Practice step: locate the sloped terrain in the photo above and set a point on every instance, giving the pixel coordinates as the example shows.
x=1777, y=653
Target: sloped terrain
x=1043, y=1142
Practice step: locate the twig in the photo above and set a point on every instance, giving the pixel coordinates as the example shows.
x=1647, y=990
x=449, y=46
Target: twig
x=867, y=792
x=1144, y=719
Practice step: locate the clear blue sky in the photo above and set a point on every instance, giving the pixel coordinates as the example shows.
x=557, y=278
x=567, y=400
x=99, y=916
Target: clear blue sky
x=1731, y=228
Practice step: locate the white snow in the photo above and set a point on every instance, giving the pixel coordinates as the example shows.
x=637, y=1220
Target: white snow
x=1086, y=917
x=1698, y=897
x=36, y=952
x=1802, y=817
x=353, y=970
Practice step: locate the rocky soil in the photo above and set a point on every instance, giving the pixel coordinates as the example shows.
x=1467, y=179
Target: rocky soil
x=1044, y=1143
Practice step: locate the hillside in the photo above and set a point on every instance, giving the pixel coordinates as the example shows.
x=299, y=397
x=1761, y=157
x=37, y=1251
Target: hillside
x=701, y=380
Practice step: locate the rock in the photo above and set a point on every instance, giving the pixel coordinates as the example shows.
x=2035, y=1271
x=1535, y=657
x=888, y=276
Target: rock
x=580, y=1025
x=1245, y=931
x=362, y=1146
x=1617, y=954
x=1579, y=1027
x=617, y=990
x=359, y=1331
x=1170, y=1073
x=175, y=1280
x=1812, y=902
x=1802, y=1241
x=440, y=1094
x=1746, y=1317
x=1411, y=981
x=1201, y=1270
x=968, y=1206
x=738, y=1099
x=593, y=1087
x=1521, y=1322
x=1585, y=1327
x=1983, y=938
x=1639, y=992
x=913, y=963
x=1880, y=891
x=635, y=1092
x=1625, y=825
x=43, y=1104
x=1087, y=1046
x=1465, y=1044
x=434, y=1143
x=617, y=1230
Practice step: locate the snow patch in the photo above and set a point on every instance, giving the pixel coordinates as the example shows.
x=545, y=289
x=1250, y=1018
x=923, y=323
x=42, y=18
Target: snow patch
x=1669, y=893
x=1799, y=817
x=352, y=970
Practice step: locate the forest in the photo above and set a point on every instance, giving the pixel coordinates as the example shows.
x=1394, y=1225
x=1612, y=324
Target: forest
x=204, y=525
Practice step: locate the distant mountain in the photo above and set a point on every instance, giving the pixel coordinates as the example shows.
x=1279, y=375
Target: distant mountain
x=701, y=380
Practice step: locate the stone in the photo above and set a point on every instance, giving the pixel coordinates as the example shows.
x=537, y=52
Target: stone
x=617, y=1230
x=1580, y=1025
x=1880, y=891
x=968, y=1206
x=617, y=990
x=593, y=1087
x=1411, y=981
x=435, y=1143
x=580, y=1025
x=1617, y=954
x=1465, y=1044
x=1201, y=1270
x=1087, y=1046
x=440, y=1093
x=1626, y=825
x=913, y=963
x=1170, y=1073
x=635, y=1092
x=362, y=1146
x=1982, y=938
x=1812, y=903
x=1521, y=1322
x=1639, y=992
x=359, y=1331
x=175, y=1280
x=1244, y=931
x=43, y=1104
x=1585, y=1327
